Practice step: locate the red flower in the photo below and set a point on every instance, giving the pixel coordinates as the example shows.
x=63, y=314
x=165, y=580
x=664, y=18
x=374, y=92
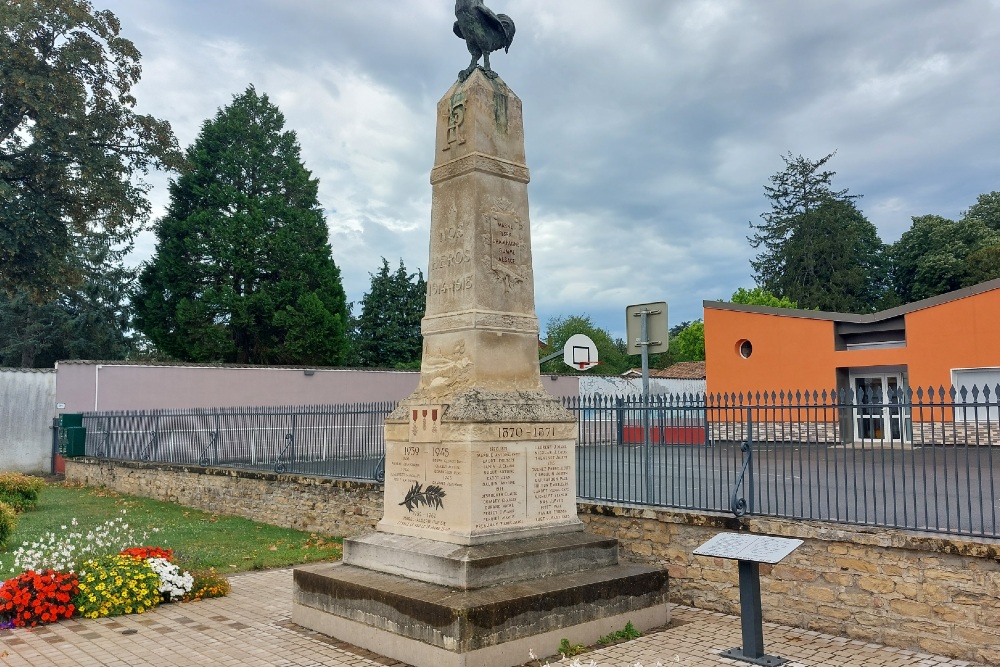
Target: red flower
x=142, y=553
x=32, y=597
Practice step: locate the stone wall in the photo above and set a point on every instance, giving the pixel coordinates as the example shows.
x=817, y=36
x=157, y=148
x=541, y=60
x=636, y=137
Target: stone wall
x=904, y=589
x=314, y=504
x=909, y=590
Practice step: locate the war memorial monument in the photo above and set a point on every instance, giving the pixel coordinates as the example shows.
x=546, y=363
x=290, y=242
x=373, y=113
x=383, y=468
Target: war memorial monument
x=479, y=555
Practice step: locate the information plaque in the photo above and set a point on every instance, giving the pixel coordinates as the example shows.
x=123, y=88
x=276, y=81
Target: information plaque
x=750, y=551
x=759, y=548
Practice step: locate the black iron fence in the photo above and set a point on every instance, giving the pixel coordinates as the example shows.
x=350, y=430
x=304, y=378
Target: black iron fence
x=921, y=460
x=343, y=441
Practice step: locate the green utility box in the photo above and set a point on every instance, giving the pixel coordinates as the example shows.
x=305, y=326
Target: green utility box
x=72, y=435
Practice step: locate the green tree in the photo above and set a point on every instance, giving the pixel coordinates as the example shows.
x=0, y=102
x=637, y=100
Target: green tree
x=387, y=333
x=986, y=210
x=72, y=150
x=816, y=247
x=937, y=255
x=85, y=321
x=610, y=352
x=758, y=296
x=243, y=269
x=689, y=344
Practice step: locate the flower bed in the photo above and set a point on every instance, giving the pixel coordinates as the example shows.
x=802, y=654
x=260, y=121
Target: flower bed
x=96, y=574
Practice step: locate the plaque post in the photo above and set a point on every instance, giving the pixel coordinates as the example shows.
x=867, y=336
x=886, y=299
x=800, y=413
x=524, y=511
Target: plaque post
x=750, y=551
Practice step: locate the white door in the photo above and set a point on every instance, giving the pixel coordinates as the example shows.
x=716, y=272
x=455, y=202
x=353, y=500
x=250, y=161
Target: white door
x=878, y=413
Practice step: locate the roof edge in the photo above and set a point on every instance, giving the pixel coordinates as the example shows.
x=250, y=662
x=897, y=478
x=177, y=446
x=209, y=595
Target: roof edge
x=947, y=297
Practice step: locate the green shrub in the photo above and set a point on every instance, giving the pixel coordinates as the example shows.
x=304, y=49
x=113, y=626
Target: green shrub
x=20, y=491
x=8, y=522
x=569, y=650
x=115, y=585
x=621, y=635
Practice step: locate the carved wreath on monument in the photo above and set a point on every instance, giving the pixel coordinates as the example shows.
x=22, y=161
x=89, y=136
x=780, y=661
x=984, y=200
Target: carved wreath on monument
x=505, y=243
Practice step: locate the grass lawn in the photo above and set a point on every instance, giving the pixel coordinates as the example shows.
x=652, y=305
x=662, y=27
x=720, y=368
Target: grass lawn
x=200, y=540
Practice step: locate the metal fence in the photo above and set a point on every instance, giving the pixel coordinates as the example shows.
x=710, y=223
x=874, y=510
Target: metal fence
x=921, y=460
x=344, y=441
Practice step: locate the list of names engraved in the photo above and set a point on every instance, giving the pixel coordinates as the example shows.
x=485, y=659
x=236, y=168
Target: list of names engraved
x=550, y=482
x=408, y=465
x=502, y=496
x=447, y=467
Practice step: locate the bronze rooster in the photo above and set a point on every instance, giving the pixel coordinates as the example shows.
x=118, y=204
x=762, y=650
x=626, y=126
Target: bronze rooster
x=483, y=31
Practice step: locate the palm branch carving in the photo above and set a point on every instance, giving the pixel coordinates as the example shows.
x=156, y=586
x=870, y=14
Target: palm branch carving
x=431, y=497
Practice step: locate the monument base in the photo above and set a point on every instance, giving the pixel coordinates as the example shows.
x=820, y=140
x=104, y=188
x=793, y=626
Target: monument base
x=429, y=625
x=478, y=566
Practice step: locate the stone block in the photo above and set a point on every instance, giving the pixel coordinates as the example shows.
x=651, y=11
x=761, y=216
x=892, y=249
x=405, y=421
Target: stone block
x=876, y=584
x=856, y=565
x=819, y=594
x=911, y=609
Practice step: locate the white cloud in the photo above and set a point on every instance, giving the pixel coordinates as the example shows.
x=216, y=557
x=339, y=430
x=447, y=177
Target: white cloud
x=651, y=127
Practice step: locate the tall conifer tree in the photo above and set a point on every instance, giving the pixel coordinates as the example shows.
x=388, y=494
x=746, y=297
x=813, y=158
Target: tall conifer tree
x=243, y=270
x=816, y=247
x=387, y=333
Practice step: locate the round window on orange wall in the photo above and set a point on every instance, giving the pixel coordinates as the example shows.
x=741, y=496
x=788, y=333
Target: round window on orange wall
x=745, y=348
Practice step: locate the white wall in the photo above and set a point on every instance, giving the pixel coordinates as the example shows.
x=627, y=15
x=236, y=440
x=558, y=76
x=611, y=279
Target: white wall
x=89, y=386
x=27, y=405
x=619, y=386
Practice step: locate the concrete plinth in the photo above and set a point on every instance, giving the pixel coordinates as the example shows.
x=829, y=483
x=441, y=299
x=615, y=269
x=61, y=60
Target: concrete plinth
x=431, y=625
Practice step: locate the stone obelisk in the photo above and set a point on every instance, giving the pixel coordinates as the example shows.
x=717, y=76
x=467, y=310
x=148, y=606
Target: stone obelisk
x=479, y=555
x=480, y=452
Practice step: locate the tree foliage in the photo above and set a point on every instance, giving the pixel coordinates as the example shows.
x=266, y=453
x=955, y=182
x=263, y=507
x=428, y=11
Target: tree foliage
x=816, y=247
x=72, y=150
x=689, y=344
x=986, y=210
x=610, y=352
x=243, y=269
x=387, y=333
x=758, y=296
x=85, y=321
x=937, y=255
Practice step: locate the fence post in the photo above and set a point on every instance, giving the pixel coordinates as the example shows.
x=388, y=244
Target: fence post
x=750, y=489
x=740, y=506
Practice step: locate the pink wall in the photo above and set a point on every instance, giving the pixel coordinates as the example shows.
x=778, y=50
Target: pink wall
x=93, y=386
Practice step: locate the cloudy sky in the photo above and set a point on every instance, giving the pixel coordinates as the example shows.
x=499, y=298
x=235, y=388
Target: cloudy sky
x=651, y=125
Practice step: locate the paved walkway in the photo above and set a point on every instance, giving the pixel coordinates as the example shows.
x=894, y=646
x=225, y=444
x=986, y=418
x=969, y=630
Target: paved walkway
x=251, y=628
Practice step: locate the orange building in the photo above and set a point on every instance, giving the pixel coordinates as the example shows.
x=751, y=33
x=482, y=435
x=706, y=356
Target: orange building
x=949, y=340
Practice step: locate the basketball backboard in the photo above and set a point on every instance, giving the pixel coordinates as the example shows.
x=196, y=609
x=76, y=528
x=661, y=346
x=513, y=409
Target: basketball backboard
x=580, y=352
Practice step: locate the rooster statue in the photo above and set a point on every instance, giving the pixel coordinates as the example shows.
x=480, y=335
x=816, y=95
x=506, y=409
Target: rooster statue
x=483, y=31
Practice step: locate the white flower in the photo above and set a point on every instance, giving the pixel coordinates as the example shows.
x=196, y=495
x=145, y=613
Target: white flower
x=172, y=580
x=65, y=552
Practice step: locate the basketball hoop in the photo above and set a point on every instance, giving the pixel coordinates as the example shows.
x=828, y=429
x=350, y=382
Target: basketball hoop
x=580, y=352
